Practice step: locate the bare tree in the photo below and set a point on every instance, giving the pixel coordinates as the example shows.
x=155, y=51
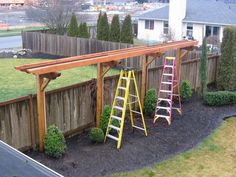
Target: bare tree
x=55, y=14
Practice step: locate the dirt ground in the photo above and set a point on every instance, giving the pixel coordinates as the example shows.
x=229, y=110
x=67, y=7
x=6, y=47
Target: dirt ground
x=85, y=159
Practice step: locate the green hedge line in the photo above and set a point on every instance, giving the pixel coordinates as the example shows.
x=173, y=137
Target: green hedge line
x=220, y=98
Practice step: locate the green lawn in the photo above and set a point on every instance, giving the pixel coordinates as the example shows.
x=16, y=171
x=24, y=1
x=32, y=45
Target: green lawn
x=16, y=32
x=14, y=83
x=215, y=157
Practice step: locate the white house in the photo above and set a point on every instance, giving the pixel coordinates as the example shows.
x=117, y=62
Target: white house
x=187, y=19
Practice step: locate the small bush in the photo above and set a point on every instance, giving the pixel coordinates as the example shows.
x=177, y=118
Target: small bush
x=54, y=141
x=185, y=90
x=220, y=98
x=96, y=135
x=105, y=119
x=150, y=101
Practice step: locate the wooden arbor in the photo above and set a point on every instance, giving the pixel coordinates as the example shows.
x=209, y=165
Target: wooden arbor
x=47, y=71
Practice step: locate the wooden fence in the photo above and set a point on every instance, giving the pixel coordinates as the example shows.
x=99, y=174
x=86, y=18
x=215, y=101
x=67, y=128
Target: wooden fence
x=73, y=108
x=71, y=46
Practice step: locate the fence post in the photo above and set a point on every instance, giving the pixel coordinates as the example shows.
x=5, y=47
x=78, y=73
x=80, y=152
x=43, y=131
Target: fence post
x=32, y=126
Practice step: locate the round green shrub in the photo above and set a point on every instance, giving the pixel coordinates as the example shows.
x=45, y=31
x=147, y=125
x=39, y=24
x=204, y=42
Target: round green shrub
x=150, y=101
x=185, y=90
x=105, y=119
x=96, y=135
x=54, y=141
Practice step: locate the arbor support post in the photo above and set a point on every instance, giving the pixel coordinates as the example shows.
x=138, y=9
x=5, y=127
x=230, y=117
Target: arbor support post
x=144, y=79
x=41, y=110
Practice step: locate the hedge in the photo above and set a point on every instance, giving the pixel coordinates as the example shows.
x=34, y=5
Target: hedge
x=219, y=98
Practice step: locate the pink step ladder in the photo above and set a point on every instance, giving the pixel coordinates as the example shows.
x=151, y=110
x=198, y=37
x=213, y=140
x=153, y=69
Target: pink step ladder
x=166, y=96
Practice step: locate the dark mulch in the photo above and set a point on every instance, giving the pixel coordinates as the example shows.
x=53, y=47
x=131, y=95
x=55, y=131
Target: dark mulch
x=186, y=131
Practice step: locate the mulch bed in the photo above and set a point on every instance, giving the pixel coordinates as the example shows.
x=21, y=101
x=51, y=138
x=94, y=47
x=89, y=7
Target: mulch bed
x=85, y=159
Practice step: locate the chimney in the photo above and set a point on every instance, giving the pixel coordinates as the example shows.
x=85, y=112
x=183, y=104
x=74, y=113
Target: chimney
x=177, y=12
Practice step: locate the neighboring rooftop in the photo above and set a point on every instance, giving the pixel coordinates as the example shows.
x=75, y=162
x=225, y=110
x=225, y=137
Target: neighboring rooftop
x=200, y=11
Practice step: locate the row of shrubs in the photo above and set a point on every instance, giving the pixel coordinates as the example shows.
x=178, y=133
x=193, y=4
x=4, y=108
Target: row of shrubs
x=219, y=98
x=54, y=141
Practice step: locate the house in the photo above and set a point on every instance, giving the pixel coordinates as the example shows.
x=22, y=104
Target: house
x=191, y=19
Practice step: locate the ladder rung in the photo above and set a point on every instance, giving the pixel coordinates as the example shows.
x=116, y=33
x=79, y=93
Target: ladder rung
x=160, y=107
x=125, y=78
x=167, y=83
x=163, y=99
x=133, y=102
x=175, y=94
x=120, y=98
x=133, y=95
x=114, y=127
x=116, y=117
x=138, y=127
x=166, y=74
x=135, y=112
x=112, y=137
x=163, y=116
x=168, y=66
x=166, y=91
x=122, y=88
x=118, y=107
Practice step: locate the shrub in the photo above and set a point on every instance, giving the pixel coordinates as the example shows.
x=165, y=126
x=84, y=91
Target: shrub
x=126, y=31
x=203, y=68
x=115, y=29
x=83, y=31
x=103, y=27
x=96, y=135
x=185, y=90
x=54, y=141
x=220, y=98
x=105, y=119
x=150, y=101
x=226, y=69
x=73, y=29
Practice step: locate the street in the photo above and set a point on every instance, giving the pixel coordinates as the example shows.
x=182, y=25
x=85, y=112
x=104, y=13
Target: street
x=10, y=42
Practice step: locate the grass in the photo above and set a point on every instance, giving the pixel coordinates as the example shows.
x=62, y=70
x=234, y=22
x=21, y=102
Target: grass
x=14, y=83
x=16, y=32
x=215, y=157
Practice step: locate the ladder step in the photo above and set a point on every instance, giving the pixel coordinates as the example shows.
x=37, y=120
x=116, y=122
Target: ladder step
x=166, y=74
x=168, y=66
x=133, y=95
x=114, y=127
x=162, y=116
x=125, y=78
x=122, y=88
x=163, y=99
x=120, y=98
x=135, y=112
x=160, y=107
x=165, y=91
x=112, y=137
x=116, y=117
x=169, y=83
x=118, y=107
x=138, y=127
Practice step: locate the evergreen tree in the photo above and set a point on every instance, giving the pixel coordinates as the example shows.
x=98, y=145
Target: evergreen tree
x=99, y=18
x=115, y=29
x=203, y=68
x=73, y=29
x=103, y=28
x=226, y=69
x=233, y=80
x=83, y=31
x=126, y=31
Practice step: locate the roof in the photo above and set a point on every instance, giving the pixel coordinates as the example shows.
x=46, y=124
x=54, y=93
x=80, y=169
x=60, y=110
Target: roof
x=15, y=163
x=200, y=11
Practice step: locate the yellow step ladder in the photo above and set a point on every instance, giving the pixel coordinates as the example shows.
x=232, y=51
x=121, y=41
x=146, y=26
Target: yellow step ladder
x=119, y=106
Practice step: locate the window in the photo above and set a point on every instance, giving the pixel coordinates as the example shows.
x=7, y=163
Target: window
x=212, y=31
x=149, y=24
x=165, y=27
x=189, y=32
